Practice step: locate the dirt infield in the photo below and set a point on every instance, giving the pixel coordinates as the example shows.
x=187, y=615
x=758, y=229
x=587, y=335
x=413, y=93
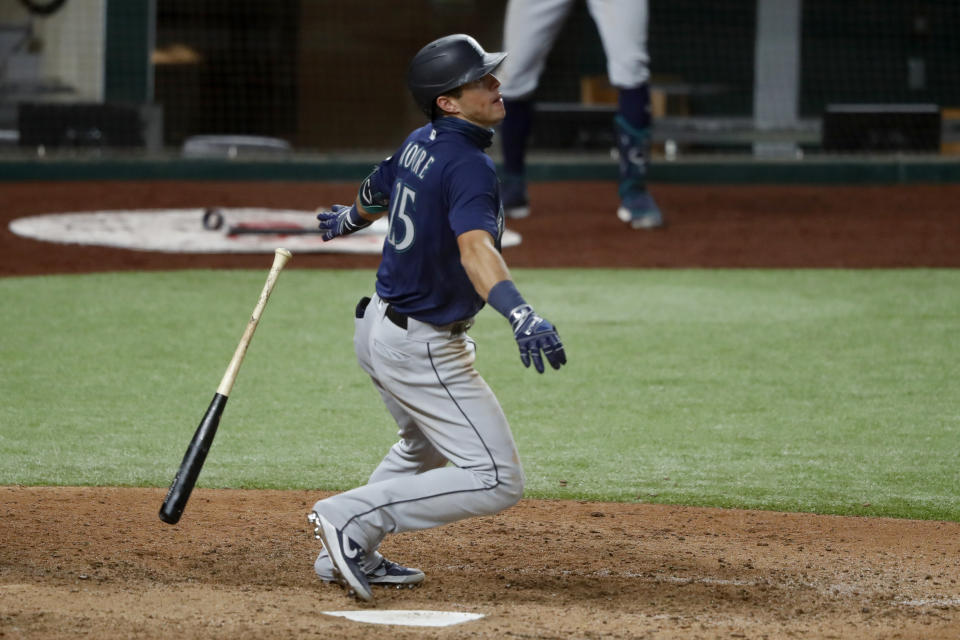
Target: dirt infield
x=572, y=225
x=97, y=562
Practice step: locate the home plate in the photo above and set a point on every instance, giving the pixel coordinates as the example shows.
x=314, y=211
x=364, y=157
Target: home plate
x=408, y=618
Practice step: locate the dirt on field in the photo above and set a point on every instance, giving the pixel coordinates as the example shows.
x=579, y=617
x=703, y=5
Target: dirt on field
x=97, y=562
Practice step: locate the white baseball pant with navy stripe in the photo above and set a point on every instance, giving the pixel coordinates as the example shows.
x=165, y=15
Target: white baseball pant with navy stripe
x=531, y=27
x=446, y=413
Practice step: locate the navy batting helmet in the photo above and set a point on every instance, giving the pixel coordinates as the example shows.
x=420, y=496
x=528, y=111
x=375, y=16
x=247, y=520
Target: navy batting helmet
x=446, y=64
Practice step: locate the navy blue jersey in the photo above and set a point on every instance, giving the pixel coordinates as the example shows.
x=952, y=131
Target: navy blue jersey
x=441, y=184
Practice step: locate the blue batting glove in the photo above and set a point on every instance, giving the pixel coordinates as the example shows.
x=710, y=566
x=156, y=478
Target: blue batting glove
x=341, y=221
x=535, y=335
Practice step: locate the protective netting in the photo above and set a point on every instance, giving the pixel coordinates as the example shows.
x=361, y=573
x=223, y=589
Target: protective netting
x=328, y=75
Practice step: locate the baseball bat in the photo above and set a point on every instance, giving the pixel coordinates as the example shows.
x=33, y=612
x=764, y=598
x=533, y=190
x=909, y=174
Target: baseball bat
x=179, y=492
x=246, y=230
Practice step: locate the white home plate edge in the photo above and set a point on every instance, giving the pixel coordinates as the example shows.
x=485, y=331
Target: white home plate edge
x=407, y=618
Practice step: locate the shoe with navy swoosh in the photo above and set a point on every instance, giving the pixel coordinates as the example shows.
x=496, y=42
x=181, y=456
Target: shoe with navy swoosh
x=347, y=556
x=379, y=571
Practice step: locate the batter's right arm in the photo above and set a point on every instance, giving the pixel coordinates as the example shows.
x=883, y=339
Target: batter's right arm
x=491, y=278
x=481, y=260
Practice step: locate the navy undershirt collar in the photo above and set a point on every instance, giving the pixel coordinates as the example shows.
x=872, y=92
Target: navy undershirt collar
x=480, y=136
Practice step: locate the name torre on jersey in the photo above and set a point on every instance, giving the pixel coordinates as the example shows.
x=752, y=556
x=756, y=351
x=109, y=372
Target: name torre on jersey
x=416, y=159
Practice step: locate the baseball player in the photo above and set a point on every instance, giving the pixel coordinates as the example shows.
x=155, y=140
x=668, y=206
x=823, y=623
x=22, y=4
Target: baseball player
x=441, y=262
x=530, y=30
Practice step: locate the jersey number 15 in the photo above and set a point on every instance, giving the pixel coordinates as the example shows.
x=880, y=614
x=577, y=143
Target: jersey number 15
x=402, y=204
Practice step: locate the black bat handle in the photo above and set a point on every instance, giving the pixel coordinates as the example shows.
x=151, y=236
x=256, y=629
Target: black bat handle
x=176, y=500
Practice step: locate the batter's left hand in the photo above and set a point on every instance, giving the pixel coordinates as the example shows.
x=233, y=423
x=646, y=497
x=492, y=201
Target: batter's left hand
x=341, y=221
x=535, y=335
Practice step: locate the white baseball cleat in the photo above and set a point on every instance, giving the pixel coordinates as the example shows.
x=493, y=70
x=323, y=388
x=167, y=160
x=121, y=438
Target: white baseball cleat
x=641, y=219
x=384, y=572
x=347, y=556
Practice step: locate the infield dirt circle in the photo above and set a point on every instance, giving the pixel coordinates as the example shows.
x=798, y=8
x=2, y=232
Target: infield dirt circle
x=97, y=562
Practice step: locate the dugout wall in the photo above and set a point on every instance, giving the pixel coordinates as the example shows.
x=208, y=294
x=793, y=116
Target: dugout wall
x=734, y=78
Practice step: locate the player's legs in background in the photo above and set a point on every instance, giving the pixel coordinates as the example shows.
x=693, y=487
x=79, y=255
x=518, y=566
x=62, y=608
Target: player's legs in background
x=623, y=29
x=530, y=29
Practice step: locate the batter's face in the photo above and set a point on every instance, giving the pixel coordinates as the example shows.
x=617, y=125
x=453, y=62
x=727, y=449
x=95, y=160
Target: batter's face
x=480, y=102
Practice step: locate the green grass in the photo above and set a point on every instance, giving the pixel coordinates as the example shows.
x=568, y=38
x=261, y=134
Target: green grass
x=830, y=391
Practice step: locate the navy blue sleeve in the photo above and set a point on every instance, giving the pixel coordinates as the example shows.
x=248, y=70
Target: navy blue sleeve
x=473, y=196
x=381, y=180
